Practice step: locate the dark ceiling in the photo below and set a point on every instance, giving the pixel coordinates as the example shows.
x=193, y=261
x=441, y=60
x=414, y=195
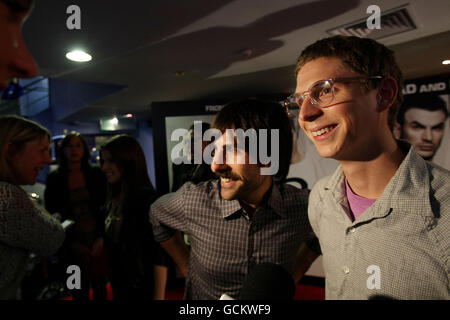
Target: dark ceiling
x=198, y=49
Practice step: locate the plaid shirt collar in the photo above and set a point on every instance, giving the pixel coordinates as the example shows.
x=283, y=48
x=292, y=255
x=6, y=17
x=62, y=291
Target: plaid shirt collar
x=410, y=186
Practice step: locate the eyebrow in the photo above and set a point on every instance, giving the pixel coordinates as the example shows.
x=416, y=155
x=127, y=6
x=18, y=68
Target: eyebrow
x=439, y=125
x=418, y=124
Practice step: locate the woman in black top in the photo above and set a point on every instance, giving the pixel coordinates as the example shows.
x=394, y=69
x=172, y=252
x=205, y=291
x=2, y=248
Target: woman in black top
x=77, y=191
x=138, y=263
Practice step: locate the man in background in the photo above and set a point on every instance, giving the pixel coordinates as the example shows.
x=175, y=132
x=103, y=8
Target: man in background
x=421, y=121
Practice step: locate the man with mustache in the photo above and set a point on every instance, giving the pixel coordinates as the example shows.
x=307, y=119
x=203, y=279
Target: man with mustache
x=383, y=217
x=243, y=219
x=421, y=121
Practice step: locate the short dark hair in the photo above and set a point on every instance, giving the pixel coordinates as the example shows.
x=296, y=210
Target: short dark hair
x=253, y=113
x=430, y=102
x=363, y=55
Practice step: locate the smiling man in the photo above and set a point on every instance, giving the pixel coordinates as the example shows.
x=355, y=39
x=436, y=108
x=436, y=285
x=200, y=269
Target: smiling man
x=15, y=59
x=421, y=121
x=383, y=218
x=242, y=219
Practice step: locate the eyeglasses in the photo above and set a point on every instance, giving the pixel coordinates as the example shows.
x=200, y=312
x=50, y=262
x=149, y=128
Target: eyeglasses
x=321, y=93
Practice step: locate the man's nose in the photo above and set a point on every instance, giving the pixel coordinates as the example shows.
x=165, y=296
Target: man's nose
x=22, y=63
x=309, y=112
x=427, y=135
x=218, y=164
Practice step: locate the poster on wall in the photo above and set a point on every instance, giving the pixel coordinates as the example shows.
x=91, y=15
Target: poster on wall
x=186, y=123
x=169, y=119
x=423, y=118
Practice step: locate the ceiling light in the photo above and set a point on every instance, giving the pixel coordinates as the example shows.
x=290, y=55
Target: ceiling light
x=78, y=56
x=446, y=62
x=128, y=115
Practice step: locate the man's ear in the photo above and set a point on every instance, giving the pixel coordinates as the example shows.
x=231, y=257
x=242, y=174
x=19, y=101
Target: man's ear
x=387, y=93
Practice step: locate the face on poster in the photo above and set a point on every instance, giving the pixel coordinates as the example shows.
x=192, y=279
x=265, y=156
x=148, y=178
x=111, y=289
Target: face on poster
x=423, y=121
x=175, y=123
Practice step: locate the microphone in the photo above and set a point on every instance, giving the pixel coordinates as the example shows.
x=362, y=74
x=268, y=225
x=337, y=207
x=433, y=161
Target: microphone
x=268, y=281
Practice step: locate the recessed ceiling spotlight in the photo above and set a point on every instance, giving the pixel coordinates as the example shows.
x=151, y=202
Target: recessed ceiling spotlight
x=78, y=56
x=128, y=115
x=446, y=62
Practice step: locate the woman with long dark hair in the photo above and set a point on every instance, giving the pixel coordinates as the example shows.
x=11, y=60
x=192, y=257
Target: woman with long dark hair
x=77, y=191
x=138, y=263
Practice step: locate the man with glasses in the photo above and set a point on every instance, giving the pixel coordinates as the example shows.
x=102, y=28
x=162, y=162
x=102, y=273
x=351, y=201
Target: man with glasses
x=383, y=217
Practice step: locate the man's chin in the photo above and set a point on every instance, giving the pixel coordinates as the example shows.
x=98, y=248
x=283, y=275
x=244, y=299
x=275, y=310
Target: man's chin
x=226, y=195
x=426, y=155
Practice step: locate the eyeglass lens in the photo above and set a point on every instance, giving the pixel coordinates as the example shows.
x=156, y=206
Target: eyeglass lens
x=321, y=94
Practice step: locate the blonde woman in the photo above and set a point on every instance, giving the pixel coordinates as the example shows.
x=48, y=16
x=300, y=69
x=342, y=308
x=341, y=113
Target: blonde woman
x=24, y=227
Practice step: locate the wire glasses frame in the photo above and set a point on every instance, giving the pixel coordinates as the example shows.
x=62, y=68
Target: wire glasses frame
x=321, y=93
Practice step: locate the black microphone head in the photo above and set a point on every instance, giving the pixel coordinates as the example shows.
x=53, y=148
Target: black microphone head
x=268, y=281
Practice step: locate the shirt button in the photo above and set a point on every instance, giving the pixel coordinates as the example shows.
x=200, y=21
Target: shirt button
x=346, y=270
x=352, y=229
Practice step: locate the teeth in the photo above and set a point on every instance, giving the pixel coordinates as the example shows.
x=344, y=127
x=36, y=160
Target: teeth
x=225, y=179
x=320, y=132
